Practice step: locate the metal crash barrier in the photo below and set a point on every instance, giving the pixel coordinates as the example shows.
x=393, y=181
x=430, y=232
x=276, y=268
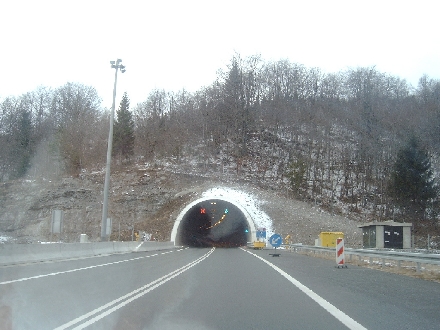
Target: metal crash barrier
x=370, y=256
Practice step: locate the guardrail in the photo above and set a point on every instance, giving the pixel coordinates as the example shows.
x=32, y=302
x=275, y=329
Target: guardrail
x=418, y=259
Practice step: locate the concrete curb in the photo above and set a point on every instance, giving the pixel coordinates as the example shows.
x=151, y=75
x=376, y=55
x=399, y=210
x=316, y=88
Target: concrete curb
x=24, y=253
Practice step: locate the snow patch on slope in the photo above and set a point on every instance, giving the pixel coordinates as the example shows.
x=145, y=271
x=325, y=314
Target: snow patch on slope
x=247, y=202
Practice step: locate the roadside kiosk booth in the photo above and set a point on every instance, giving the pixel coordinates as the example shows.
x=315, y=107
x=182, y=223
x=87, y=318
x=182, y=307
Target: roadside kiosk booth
x=387, y=234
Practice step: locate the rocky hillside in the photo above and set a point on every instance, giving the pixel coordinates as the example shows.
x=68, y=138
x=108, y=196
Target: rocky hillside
x=148, y=197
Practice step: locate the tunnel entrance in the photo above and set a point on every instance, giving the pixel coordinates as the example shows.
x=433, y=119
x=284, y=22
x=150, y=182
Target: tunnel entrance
x=213, y=222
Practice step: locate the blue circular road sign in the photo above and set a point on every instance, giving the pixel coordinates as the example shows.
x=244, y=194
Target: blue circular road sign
x=276, y=240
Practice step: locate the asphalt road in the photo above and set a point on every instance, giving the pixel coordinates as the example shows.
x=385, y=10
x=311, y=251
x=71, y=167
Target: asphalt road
x=212, y=289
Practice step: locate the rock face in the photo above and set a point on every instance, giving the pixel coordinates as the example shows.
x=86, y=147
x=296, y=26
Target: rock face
x=149, y=199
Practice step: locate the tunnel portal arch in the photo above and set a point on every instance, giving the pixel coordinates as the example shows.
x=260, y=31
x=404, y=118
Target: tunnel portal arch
x=202, y=230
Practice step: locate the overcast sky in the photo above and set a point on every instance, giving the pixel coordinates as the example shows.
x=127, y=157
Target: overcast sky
x=173, y=44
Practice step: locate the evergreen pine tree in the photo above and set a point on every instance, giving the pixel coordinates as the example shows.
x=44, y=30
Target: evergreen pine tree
x=412, y=183
x=123, y=134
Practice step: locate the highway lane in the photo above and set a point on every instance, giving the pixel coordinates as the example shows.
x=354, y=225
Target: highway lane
x=212, y=289
x=45, y=295
x=375, y=299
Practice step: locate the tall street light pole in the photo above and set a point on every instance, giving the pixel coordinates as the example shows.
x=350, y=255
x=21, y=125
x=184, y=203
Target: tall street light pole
x=117, y=66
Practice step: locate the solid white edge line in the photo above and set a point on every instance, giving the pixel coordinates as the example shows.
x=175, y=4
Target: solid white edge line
x=76, y=269
x=143, y=290
x=338, y=314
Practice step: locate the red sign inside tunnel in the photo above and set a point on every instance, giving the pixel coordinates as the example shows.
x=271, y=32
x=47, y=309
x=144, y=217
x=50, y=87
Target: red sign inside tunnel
x=214, y=223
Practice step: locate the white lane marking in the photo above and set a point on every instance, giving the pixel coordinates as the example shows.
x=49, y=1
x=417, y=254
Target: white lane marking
x=341, y=316
x=124, y=300
x=77, y=269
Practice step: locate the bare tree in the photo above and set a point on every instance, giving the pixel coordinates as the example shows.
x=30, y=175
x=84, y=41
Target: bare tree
x=74, y=112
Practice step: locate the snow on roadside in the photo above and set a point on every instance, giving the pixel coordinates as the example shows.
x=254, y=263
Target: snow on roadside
x=247, y=202
x=5, y=239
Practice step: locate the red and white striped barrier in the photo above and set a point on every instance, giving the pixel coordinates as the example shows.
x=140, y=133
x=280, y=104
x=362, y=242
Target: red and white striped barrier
x=340, y=255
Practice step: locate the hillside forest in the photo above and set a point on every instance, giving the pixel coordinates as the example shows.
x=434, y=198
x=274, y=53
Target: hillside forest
x=358, y=142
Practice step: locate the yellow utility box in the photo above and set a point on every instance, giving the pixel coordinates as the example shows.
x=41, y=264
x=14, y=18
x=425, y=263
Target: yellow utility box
x=259, y=245
x=328, y=238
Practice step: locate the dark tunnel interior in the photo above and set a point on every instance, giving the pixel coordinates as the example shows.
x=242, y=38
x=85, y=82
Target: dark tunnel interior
x=214, y=222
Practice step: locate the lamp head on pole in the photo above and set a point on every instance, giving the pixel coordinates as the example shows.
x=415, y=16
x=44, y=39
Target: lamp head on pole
x=116, y=65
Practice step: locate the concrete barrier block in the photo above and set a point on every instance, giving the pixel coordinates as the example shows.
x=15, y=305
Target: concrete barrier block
x=75, y=250
x=20, y=253
x=102, y=248
x=122, y=247
x=152, y=246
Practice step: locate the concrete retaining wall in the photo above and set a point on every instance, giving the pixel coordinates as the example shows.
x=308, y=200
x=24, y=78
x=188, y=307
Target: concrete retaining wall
x=21, y=253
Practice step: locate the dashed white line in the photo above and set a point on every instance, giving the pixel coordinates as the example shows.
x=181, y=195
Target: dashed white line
x=78, y=269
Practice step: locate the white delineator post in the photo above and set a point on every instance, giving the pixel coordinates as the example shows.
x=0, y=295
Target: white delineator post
x=340, y=255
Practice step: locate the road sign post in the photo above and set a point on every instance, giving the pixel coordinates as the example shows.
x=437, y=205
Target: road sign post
x=276, y=240
x=261, y=233
x=57, y=223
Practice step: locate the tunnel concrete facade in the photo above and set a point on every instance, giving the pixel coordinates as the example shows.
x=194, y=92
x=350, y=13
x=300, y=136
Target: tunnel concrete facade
x=178, y=224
